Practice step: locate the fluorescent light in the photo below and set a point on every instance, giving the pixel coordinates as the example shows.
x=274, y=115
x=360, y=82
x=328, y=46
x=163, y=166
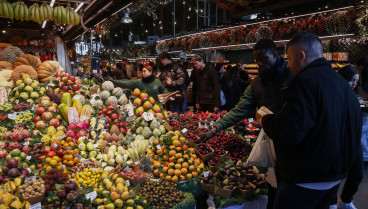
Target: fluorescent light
x=266, y=21
x=43, y=24
x=79, y=6
x=52, y=3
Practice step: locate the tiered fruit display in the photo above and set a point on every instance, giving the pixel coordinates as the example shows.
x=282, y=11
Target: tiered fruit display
x=27, y=89
x=89, y=177
x=47, y=114
x=16, y=165
x=66, y=83
x=144, y=103
x=110, y=94
x=179, y=162
x=113, y=117
x=149, y=130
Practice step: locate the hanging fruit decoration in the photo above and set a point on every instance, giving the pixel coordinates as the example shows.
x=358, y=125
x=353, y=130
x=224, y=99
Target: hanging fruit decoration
x=338, y=23
x=205, y=42
x=263, y=32
x=161, y=47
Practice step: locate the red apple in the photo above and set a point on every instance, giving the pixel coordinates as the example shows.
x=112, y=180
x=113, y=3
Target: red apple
x=147, y=105
x=144, y=96
x=137, y=102
x=122, y=130
x=65, y=88
x=114, y=116
x=58, y=74
x=71, y=92
x=152, y=100
x=72, y=78
x=36, y=119
x=108, y=112
x=69, y=82
x=40, y=110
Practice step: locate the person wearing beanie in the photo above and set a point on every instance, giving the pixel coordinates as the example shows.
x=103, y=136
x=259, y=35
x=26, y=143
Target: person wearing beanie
x=148, y=82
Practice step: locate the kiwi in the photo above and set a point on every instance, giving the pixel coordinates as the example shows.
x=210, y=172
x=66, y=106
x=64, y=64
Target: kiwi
x=114, y=130
x=107, y=137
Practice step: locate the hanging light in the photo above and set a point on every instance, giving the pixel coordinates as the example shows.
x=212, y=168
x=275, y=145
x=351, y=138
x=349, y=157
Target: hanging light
x=126, y=19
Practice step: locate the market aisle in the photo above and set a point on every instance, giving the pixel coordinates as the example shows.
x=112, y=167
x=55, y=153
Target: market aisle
x=360, y=198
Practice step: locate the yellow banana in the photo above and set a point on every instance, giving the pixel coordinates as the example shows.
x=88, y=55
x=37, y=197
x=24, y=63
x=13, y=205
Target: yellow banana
x=21, y=12
x=11, y=11
x=26, y=12
x=37, y=14
x=12, y=186
x=51, y=13
x=5, y=8
x=42, y=16
x=59, y=15
x=71, y=16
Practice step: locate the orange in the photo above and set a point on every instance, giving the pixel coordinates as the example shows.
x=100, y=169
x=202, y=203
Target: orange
x=75, y=151
x=171, y=164
x=177, y=133
x=47, y=160
x=176, y=137
x=172, y=159
x=178, y=155
x=69, y=139
x=194, y=156
x=172, y=153
x=162, y=175
x=184, y=171
x=189, y=176
x=48, y=169
x=178, y=166
x=165, y=169
x=174, y=179
x=62, y=142
x=170, y=171
x=65, y=145
x=178, y=149
x=195, y=174
x=182, y=178
x=197, y=161
x=180, y=160
x=185, y=147
x=176, y=143
x=156, y=142
x=65, y=161
x=185, y=156
x=172, y=147
x=201, y=166
x=182, y=139
x=177, y=172
x=59, y=167
x=56, y=158
x=166, y=157
x=70, y=163
x=156, y=165
x=71, y=143
x=76, y=160
x=185, y=165
x=191, y=168
x=155, y=172
x=159, y=151
x=168, y=178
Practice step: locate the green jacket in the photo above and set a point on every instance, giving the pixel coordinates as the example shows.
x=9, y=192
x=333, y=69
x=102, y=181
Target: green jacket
x=244, y=107
x=153, y=88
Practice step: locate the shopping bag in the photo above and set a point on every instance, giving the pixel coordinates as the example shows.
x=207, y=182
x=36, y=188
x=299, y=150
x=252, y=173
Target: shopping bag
x=263, y=153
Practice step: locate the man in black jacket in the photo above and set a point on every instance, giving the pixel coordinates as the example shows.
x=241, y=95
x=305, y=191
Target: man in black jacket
x=208, y=88
x=317, y=130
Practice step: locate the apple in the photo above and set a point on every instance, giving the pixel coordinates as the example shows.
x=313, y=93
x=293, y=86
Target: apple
x=40, y=125
x=121, y=124
x=69, y=82
x=147, y=105
x=144, y=96
x=65, y=88
x=152, y=100
x=108, y=112
x=160, y=115
x=54, y=122
x=64, y=79
x=52, y=109
x=36, y=119
x=44, y=98
x=136, y=92
x=139, y=111
x=116, y=121
x=137, y=102
x=47, y=116
x=156, y=108
x=60, y=85
x=122, y=130
x=40, y=110
x=76, y=87
x=58, y=74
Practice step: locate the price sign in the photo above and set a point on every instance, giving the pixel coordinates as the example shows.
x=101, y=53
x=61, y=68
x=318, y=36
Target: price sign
x=26, y=143
x=155, y=180
x=87, y=161
x=94, y=169
x=30, y=178
x=36, y=206
x=29, y=170
x=78, y=156
x=63, y=166
x=205, y=174
x=250, y=120
x=126, y=168
x=150, y=143
x=127, y=182
x=91, y=195
x=159, y=147
x=184, y=130
x=95, y=145
x=28, y=157
x=12, y=116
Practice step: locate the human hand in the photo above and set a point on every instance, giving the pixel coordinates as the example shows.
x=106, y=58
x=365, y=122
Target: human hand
x=206, y=136
x=198, y=106
x=168, y=81
x=216, y=109
x=263, y=111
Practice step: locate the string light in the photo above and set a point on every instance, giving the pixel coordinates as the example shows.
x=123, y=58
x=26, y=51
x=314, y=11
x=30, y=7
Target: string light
x=188, y=17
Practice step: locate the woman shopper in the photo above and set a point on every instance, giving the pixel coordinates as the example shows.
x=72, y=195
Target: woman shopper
x=148, y=82
x=355, y=173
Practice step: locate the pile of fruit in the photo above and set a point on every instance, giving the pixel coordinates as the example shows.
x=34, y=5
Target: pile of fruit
x=27, y=89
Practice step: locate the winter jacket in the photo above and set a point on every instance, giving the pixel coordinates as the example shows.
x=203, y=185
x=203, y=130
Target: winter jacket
x=208, y=88
x=319, y=127
x=232, y=85
x=177, y=75
x=261, y=92
x=153, y=88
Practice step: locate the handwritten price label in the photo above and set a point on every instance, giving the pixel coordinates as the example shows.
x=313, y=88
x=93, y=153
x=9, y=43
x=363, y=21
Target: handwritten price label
x=205, y=174
x=91, y=195
x=28, y=157
x=155, y=180
x=36, y=206
x=127, y=182
x=30, y=178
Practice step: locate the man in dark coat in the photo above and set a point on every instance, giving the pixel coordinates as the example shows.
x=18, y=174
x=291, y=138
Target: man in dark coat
x=317, y=131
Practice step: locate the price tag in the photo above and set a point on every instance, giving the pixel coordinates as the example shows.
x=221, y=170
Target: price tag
x=95, y=145
x=127, y=182
x=155, y=179
x=94, y=71
x=87, y=161
x=12, y=116
x=94, y=169
x=36, y=206
x=28, y=157
x=184, y=130
x=26, y=143
x=205, y=174
x=159, y=147
x=137, y=163
x=150, y=143
x=250, y=120
x=78, y=156
x=91, y=195
x=29, y=170
x=30, y=178
x=63, y=166
x=126, y=168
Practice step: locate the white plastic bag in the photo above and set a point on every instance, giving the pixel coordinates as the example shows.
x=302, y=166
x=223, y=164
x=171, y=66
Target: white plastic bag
x=263, y=153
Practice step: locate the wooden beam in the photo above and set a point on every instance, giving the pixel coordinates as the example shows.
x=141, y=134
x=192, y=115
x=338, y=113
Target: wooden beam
x=64, y=1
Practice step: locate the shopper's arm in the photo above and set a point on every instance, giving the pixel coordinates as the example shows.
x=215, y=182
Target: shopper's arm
x=297, y=116
x=126, y=84
x=161, y=88
x=244, y=107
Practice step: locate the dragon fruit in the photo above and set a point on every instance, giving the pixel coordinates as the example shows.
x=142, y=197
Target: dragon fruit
x=16, y=136
x=6, y=135
x=14, y=145
x=81, y=133
x=86, y=123
x=72, y=126
x=80, y=125
x=70, y=133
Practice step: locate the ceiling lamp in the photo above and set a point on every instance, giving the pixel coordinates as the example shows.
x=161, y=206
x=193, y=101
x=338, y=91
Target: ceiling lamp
x=126, y=19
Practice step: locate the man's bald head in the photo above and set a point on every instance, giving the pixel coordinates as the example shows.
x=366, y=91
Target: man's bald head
x=303, y=49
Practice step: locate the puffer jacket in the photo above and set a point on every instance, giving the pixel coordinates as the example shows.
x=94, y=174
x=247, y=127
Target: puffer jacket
x=177, y=75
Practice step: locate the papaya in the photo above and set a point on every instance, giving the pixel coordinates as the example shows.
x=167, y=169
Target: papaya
x=66, y=98
x=86, y=113
x=78, y=105
x=63, y=109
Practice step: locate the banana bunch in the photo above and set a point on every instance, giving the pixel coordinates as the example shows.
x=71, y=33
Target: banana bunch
x=21, y=11
x=6, y=10
x=65, y=16
x=39, y=14
x=46, y=12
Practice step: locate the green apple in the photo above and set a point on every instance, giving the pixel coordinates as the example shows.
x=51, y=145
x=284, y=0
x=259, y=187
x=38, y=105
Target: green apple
x=80, y=140
x=89, y=146
x=83, y=154
x=28, y=89
x=23, y=156
x=8, y=157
